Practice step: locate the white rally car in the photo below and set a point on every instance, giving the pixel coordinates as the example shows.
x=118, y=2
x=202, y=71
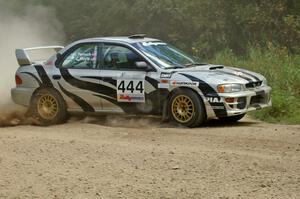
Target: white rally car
x=134, y=75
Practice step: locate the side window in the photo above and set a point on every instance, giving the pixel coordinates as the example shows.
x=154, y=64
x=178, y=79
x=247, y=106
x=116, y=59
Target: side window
x=85, y=56
x=118, y=58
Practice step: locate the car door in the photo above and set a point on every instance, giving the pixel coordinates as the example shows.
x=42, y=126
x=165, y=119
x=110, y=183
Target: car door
x=126, y=81
x=78, y=77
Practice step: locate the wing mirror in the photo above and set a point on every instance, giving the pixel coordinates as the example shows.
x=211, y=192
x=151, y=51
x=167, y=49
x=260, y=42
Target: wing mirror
x=58, y=59
x=143, y=65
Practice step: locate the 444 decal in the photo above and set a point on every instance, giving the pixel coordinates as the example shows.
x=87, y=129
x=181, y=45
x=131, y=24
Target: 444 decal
x=131, y=90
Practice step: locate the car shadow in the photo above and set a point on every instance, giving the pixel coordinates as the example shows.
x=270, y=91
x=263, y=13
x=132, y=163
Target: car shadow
x=218, y=123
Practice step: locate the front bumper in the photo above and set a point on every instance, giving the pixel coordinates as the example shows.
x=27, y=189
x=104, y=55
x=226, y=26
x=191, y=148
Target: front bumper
x=246, y=101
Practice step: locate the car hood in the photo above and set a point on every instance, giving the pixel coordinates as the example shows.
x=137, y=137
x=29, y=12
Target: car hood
x=218, y=74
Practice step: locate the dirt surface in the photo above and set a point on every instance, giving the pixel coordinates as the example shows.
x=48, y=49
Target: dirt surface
x=142, y=158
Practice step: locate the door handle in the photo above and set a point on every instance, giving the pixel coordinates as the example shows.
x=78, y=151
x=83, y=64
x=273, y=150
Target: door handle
x=56, y=77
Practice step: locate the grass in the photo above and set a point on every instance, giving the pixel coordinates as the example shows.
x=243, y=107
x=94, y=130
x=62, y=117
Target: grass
x=283, y=74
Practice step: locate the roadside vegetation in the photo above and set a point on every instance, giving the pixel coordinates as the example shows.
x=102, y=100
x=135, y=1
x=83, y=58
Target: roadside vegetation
x=263, y=36
x=283, y=74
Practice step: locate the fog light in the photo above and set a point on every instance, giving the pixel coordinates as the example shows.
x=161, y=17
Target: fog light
x=229, y=100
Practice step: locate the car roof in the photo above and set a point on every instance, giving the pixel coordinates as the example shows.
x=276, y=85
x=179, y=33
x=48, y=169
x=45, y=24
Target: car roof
x=128, y=40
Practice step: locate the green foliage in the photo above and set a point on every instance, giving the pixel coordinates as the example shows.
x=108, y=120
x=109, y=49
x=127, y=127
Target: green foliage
x=283, y=73
x=203, y=27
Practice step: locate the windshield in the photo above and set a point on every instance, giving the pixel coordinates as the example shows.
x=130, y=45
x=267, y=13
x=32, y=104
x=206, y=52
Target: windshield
x=167, y=56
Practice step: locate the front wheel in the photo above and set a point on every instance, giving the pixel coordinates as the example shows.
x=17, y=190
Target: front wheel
x=186, y=108
x=48, y=107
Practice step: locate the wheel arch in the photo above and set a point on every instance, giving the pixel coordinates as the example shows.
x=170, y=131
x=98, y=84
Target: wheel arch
x=50, y=88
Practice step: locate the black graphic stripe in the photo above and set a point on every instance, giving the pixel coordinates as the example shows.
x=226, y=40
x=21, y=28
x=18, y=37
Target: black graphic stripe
x=235, y=75
x=152, y=81
x=97, y=88
x=104, y=79
x=35, y=77
x=114, y=101
x=203, y=86
x=43, y=75
x=78, y=100
x=208, y=91
x=242, y=71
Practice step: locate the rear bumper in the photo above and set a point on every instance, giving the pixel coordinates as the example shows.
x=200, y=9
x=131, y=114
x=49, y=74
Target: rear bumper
x=22, y=96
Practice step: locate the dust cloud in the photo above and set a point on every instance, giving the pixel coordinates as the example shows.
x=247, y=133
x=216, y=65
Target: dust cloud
x=35, y=26
x=122, y=121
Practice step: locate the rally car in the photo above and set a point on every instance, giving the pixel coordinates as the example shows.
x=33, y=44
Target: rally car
x=134, y=75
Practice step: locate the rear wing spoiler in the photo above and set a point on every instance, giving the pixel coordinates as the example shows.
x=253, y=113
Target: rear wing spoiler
x=23, y=58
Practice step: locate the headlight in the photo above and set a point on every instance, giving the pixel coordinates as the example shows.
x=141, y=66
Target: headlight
x=265, y=82
x=229, y=88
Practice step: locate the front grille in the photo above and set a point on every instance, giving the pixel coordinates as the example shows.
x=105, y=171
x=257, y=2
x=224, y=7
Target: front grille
x=254, y=84
x=260, y=99
x=255, y=99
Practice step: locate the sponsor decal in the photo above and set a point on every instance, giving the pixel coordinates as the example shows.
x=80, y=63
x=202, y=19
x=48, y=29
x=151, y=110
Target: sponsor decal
x=214, y=99
x=184, y=83
x=161, y=85
x=165, y=75
x=84, y=57
x=130, y=98
x=153, y=43
x=130, y=90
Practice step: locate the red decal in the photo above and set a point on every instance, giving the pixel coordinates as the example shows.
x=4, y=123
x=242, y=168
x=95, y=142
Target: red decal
x=125, y=97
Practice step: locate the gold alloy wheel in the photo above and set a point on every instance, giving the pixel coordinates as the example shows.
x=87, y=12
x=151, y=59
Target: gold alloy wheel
x=47, y=107
x=183, y=108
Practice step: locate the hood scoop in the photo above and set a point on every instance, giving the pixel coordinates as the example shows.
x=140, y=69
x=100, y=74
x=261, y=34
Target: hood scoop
x=216, y=67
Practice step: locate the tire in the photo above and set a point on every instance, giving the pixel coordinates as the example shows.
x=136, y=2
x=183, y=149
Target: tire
x=232, y=119
x=186, y=108
x=48, y=107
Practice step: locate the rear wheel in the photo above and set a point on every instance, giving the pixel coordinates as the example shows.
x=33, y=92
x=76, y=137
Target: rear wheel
x=186, y=108
x=232, y=119
x=48, y=107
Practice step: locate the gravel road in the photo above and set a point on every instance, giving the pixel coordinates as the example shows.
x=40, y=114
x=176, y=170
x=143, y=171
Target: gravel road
x=142, y=158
